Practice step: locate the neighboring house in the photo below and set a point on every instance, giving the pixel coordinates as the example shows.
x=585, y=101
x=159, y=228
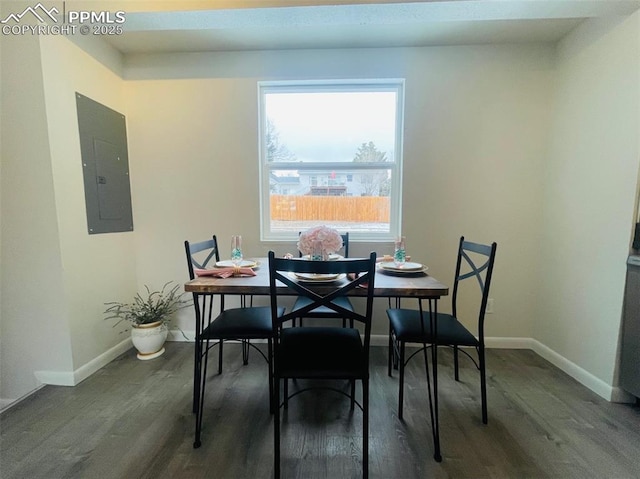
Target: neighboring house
x=284, y=185
x=321, y=183
x=318, y=183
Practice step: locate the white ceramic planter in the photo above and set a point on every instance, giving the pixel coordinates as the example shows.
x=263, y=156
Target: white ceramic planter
x=149, y=339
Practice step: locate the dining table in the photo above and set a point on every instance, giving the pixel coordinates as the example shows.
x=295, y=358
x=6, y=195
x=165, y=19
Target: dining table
x=390, y=284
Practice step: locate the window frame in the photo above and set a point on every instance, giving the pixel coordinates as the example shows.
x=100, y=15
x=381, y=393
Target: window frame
x=265, y=168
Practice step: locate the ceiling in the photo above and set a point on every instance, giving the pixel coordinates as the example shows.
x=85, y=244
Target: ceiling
x=357, y=25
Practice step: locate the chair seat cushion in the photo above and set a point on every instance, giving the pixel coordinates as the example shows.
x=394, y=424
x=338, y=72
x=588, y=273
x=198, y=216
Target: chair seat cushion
x=321, y=352
x=303, y=301
x=407, y=328
x=242, y=323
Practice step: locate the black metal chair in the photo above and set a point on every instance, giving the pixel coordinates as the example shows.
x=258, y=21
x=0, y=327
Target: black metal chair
x=242, y=324
x=322, y=311
x=322, y=352
x=414, y=326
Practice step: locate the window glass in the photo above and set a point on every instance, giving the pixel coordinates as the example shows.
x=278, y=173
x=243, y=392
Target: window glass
x=331, y=154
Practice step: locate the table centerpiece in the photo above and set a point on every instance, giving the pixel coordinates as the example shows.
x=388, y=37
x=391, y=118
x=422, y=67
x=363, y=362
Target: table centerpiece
x=319, y=242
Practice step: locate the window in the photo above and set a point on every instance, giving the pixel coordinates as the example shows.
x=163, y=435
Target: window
x=337, y=147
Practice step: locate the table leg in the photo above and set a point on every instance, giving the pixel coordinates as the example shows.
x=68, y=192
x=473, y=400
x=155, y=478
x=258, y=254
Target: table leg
x=433, y=312
x=197, y=354
x=433, y=394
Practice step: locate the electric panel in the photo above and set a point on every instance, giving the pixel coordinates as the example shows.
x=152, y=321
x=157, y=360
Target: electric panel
x=105, y=166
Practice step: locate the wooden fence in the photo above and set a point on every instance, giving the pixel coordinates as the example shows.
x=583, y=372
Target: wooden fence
x=365, y=209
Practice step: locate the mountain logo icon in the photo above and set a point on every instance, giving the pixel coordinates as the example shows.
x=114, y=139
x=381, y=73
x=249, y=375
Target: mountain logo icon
x=39, y=11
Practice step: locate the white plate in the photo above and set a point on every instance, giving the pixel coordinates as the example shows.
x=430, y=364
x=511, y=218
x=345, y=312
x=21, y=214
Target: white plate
x=227, y=263
x=399, y=272
x=316, y=277
x=408, y=266
x=332, y=257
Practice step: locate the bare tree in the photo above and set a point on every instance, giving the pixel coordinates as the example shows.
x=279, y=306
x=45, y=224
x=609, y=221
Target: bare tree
x=276, y=151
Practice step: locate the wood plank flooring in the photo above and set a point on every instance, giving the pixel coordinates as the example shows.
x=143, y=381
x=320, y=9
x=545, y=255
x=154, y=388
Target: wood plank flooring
x=132, y=419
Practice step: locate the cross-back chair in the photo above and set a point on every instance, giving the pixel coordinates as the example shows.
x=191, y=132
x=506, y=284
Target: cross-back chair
x=323, y=311
x=243, y=324
x=474, y=264
x=321, y=352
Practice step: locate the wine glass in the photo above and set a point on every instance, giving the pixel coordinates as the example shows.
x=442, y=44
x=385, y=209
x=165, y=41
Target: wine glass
x=236, y=250
x=399, y=253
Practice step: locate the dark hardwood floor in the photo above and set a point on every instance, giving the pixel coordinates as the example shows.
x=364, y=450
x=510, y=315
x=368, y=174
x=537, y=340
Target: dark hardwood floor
x=132, y=419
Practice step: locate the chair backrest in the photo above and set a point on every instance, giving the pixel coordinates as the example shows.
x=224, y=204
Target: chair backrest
x=469, y=254
x=354, y=273
x=201, y=254
x=345, y=244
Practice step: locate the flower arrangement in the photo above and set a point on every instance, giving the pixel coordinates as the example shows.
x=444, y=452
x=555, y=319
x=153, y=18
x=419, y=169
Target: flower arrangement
x=329, y=238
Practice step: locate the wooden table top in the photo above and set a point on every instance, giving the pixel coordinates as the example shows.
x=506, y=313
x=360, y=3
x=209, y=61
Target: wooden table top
x=386, y=285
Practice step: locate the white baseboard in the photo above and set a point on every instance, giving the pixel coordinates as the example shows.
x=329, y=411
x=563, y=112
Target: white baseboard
x=71, y=378
x=6, y=403
x=376, y=339
x=101, y=361
x=597, y=385
x=509, y=343
x=494, y=343
x=383, y=340
x=177, y=336
x=610, y=393
x=55, y=378
x=621, y=396
x=379, y=340
x=584, y=377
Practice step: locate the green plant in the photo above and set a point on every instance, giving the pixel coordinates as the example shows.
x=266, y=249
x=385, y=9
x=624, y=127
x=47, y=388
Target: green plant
x=156, y=306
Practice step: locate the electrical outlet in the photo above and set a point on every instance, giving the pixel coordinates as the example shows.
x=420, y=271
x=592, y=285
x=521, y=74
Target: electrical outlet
x=489, y=309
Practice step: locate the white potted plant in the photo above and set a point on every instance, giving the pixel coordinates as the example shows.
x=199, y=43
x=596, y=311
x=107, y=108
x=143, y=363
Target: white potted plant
x=150, y=317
